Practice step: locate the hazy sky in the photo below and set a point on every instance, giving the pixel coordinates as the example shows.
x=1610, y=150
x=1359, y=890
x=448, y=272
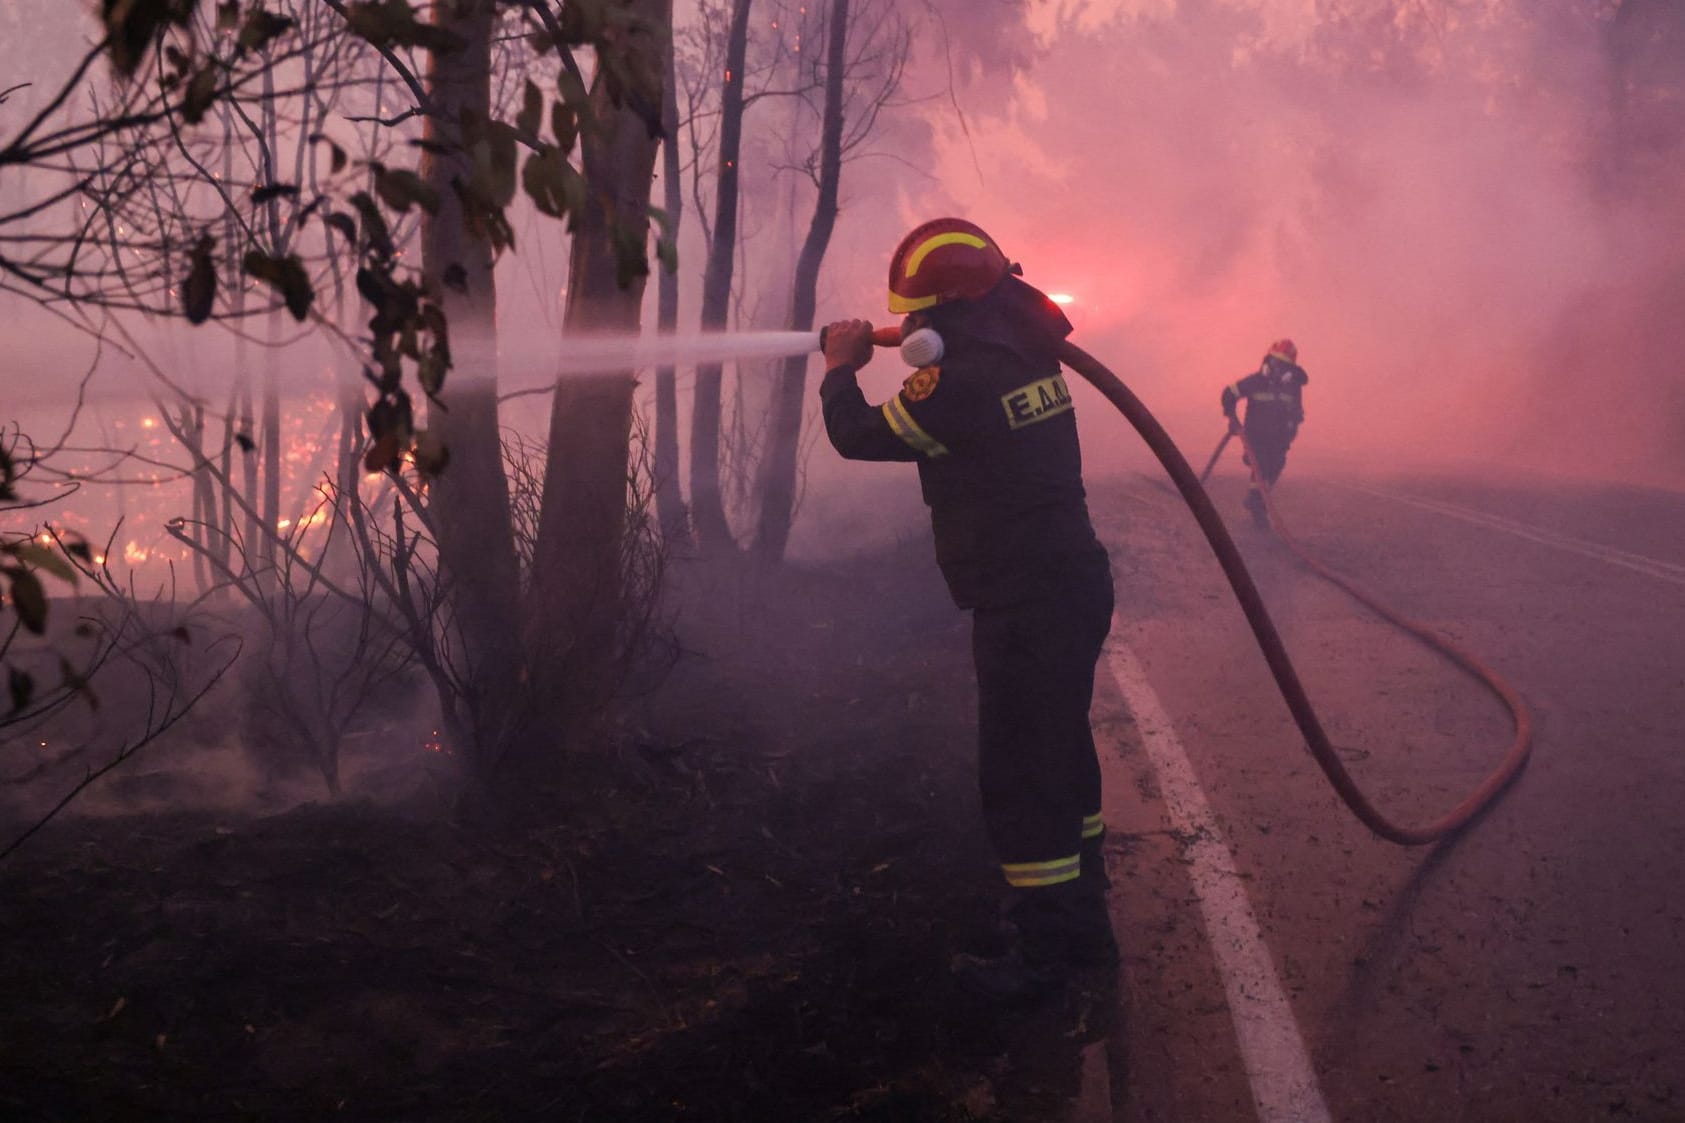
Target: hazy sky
x=1419, y=209
x=1434, y=239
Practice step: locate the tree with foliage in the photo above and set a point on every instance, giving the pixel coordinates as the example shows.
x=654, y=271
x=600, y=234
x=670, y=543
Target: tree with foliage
x=177, y=64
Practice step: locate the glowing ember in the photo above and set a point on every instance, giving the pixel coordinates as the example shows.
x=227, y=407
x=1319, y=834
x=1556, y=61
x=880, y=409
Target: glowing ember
x=1061, y=298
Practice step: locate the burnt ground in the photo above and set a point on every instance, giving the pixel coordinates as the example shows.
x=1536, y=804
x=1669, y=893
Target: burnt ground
x=744, y=911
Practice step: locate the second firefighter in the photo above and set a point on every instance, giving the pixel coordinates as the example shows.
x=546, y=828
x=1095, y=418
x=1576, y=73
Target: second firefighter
x=1275, y=408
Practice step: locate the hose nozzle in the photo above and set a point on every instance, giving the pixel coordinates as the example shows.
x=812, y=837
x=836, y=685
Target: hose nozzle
x=881, y=337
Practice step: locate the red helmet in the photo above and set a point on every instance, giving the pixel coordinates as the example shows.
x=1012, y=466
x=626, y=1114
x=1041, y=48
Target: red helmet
x=1284, y=349
x=945, y=259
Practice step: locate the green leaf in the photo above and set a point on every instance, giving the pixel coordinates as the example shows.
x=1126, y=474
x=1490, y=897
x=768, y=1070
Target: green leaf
x=555, y=188
x=336, y=153
x=200, y=94
x=572, y=89
x=268, y=191
x=134, y=27
x=287, y=276
x=667, y=243
x=198, y=292
x=431, y=454
x=262, y=27
x=389, y=23
x=398, y=188
x=432, y=318
x=45, y=558
x=376, y=236
x=343, y=223
x=564, y=123
x=484, y=219
x=430, y=373
x=392, y=429
x=532, y=111
x=383, y=454
x=22, y=686
x=29, y=598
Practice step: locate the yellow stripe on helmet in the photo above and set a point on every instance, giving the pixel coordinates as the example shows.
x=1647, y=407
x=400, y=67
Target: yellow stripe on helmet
x=902, y=305
x=931, y=245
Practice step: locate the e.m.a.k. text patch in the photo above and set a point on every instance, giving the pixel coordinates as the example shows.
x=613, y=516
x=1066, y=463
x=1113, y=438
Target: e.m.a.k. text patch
x=1036, y=402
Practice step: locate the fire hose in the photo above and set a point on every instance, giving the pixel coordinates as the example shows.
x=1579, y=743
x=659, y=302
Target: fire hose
x=1263, y=627
x=1269, y=640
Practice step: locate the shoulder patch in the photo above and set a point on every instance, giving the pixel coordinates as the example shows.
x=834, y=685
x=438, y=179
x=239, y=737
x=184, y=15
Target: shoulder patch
x=921, y=383
x=1038, y=401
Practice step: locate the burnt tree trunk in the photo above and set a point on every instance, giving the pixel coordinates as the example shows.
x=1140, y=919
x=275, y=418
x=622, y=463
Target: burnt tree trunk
x=470, y=502
x=707, y=504
x=578, y=593
x=269, y=447
x=669, y=497
x=779, y=465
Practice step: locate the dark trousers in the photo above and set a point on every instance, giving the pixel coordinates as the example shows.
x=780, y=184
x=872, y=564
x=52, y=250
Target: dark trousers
x=1269, y=450
x=1037, y=768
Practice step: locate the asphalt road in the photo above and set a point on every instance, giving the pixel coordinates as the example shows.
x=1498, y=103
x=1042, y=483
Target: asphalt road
x=1281, y=963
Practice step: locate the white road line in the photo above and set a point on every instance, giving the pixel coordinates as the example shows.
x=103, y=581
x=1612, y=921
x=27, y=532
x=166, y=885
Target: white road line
x=1671, y=572
x=1284, y=1085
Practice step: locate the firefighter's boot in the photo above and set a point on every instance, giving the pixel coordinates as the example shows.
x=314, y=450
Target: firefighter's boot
x=1093, y=943
x=1255, y=504
x=1056, y=936
x=1094, y=862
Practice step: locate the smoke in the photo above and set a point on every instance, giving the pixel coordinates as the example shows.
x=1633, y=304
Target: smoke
x=983, y=45
x=1426, y=196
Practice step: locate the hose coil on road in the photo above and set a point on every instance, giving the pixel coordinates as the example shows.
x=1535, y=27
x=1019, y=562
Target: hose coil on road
x=1269, y=640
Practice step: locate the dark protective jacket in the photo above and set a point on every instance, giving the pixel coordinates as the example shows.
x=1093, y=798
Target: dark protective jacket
x=1274, y=396
x=993, y=432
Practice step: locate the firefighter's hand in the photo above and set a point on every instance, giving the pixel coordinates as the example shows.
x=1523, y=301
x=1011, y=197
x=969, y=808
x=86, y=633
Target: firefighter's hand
x=1234, y=425
x=848, y=343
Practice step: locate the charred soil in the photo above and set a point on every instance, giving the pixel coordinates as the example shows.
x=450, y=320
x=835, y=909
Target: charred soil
x=743, y=910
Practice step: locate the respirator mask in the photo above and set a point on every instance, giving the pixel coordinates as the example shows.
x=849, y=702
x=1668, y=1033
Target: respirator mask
x=922, y=348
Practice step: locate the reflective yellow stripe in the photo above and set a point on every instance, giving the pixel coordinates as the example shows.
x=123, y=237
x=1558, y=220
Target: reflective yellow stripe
x=901, y=305
x=1093, y=826
x=1030, y=875
x=903, y=425
x=931, y=245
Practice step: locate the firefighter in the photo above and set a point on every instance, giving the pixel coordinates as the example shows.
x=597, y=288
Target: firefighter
x=1275, y=408
x=988, y=419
